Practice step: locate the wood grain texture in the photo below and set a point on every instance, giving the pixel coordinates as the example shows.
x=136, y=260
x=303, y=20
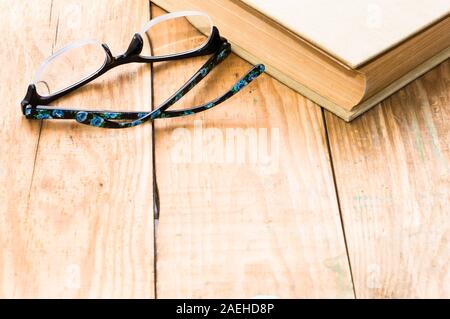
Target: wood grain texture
x=87, y=227
x=393, y=177
x=19, y=137
x=239, y=227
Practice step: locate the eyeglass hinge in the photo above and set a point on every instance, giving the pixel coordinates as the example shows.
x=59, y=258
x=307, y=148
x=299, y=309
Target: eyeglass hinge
x=30, y=97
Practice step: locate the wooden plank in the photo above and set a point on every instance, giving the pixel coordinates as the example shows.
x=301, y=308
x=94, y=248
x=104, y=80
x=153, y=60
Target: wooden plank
x=237, y=227
x=88, y=229
x=393, y=177
x=21, y=51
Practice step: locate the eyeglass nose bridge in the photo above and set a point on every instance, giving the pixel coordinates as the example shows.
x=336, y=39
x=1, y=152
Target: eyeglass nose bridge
x=134, y=49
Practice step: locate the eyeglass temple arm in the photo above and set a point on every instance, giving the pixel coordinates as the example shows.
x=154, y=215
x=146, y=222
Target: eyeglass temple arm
x=243, y=82
x=159, y=113
x=162, y=111
x=103, y=119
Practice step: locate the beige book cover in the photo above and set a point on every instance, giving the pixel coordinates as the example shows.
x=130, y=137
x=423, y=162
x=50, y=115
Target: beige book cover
x=354, y=31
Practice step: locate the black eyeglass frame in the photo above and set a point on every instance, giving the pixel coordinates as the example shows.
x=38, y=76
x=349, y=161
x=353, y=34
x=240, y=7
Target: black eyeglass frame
x=132, y=55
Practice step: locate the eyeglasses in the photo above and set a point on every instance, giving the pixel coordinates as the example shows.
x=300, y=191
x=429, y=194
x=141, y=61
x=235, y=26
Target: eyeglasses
x=87, y=60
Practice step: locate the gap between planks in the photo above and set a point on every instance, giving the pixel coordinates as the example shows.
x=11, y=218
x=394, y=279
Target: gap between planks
x=333, y=173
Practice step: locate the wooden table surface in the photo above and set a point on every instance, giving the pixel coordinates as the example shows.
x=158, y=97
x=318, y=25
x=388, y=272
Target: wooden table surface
x=325, y=209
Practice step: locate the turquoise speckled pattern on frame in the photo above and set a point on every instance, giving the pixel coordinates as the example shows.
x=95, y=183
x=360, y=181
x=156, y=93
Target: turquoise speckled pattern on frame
x=111, y=119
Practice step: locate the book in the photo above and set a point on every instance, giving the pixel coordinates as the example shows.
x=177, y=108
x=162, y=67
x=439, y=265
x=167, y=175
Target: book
x=347, y=55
